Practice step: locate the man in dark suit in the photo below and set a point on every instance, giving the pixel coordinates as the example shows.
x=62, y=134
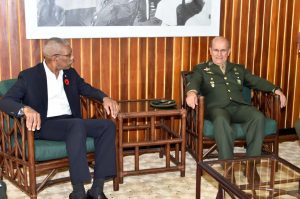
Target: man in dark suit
x=48, y=94
x=221, y=82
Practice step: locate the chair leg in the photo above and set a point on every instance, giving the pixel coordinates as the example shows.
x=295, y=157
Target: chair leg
x=198, y=182
x=116, y=183
x=33, y=197
x=221, y=193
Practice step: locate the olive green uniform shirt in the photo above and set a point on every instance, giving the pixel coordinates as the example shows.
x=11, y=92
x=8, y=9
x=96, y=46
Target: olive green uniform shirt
x=220, y=89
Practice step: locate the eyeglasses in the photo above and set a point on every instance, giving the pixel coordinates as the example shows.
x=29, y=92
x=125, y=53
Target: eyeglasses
x=67, y=55
x=217, y=51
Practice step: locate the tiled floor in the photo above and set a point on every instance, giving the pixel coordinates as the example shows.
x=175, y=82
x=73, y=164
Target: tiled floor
x=156, y=186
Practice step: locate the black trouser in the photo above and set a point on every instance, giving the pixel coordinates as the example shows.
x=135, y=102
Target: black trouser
x=3, y=190
x=74, y=132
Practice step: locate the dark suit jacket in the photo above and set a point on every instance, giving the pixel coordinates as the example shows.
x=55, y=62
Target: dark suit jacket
x=31, y=90
x=220, y=89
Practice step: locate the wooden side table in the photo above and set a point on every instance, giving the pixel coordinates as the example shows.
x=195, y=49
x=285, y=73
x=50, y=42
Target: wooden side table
x=144, y=129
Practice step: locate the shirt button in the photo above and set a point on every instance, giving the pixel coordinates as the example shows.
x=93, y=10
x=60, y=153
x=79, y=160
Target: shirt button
x=230, y=98
x=227, y=83
x=228, y=90
x=225, y=78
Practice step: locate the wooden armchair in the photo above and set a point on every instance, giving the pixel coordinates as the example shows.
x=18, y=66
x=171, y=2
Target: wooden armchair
x=199, y=131
x=23, y=159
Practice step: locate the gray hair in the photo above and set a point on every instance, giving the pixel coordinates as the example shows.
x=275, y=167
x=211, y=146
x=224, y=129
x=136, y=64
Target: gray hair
x=53, y=46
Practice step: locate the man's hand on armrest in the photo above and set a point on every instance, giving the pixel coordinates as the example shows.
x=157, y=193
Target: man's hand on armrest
x=282, y=97
x=191, y=98
x=33, y=118
x=111, y=106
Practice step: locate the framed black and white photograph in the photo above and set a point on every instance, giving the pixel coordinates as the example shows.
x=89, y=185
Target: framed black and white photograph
x=121, y=18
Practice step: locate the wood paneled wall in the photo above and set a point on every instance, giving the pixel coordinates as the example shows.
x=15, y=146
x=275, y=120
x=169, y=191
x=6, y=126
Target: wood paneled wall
x=263, y=35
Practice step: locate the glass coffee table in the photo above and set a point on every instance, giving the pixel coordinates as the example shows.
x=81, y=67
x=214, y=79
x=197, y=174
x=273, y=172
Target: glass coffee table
x=266, y=176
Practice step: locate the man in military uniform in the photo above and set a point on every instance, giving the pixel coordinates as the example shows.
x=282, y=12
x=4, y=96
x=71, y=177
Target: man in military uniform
x=221, y=82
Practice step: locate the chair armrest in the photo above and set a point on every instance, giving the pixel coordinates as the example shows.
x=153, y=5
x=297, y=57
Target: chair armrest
x=268, y=103
x=195, y=117
x=195, y=127
x=200, y=113
x=92, y=109
x=16, y=141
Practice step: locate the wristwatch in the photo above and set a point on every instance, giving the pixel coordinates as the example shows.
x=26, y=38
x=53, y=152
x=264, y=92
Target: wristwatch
x=21, y=111
x=275, y=89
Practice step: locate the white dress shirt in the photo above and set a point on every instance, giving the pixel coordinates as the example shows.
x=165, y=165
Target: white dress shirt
x=58, y=103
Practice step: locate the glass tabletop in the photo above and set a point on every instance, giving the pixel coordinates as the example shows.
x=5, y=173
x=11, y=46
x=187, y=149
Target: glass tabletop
x=259, y=177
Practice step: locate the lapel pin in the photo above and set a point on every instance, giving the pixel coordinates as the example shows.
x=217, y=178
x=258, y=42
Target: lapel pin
x=67, y=82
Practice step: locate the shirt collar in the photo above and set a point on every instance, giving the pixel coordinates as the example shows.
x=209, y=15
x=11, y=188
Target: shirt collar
x=49, y=72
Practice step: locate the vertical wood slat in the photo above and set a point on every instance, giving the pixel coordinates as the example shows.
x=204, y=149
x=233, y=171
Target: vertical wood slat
x=293, y=53
x=13, y=38
x=105, y=70
x=4, y=55
x=115, y=68
x=124, y=69
x=263, y=36
x=151, y=67
x=133, y=70
x=96, y=61
x=160, y=66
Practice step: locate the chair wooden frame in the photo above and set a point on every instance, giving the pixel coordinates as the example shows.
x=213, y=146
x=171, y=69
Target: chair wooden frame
x=18, y=164
x=267, y=103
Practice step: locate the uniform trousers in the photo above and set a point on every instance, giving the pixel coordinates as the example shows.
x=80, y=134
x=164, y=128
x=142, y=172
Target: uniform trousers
x=74, y=131
x=251, y=120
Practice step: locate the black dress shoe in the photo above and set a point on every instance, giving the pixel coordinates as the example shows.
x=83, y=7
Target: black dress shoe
x=99, y=196
x=74, y=195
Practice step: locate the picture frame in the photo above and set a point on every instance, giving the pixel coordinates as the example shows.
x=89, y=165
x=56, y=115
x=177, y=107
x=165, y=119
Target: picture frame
x=64, y=25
